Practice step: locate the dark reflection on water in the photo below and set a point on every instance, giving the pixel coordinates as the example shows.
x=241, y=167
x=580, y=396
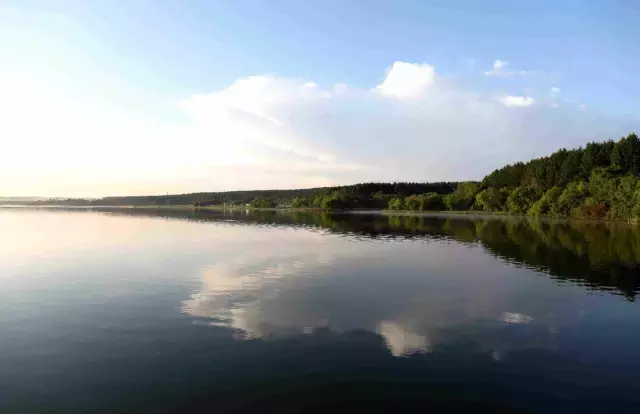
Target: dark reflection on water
x=600, y=255
x=118, y=311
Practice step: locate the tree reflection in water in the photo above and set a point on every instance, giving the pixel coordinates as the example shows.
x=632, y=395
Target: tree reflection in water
x=596, y=254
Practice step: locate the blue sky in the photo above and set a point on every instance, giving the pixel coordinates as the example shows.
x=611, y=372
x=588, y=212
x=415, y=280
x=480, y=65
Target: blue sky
x=134, y=66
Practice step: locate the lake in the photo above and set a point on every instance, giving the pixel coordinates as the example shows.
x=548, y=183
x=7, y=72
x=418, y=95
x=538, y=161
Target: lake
x=153, y=311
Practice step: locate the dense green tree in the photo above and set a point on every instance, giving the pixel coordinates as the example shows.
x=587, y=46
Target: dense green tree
x=432, y=201
x=595, y=155
x=602, y=186
x=418, y=202
x=626, y=155
x=492, y=199
x=507, y=176
x=546, y=204
x=521, y=199
x=333, y=202
x=623, y=199
x=263, y=202
x=570, y=168
x=396, y=203
x=301, y=202
x=571, y=199
x=635, y=212
x=595, y=181
x=367, y=195
x=414, y=203
x=463, y=197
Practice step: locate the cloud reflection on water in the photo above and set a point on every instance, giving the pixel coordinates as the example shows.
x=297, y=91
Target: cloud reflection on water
x=413, y=294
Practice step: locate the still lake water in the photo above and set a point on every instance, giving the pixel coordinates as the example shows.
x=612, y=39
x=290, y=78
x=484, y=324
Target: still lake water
x=142, y=311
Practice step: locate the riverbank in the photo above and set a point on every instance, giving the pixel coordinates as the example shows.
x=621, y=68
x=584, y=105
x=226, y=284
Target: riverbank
x=407, y=213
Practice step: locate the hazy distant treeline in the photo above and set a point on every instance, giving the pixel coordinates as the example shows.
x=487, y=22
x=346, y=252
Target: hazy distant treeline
x=367, y=195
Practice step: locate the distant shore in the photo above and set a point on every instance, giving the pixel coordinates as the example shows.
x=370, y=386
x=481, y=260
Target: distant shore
x=428, y=213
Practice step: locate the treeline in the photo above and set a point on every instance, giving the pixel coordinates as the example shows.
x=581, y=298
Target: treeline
x=370, y=195
x=462, y=198
x=600, y=180
x=365, y=195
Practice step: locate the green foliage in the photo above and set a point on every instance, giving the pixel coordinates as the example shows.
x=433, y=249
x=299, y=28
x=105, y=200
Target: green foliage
x=626, y=155
x=450, y=201
x=262, y=202
x=635, y=212
x=571, y=199
x=463, y=197
x=599, y=181
x=547, y=203
x=491, y=199
x=396, y=203
x=413, y=203
x=365, y=195
x=335, y=201
x=432, y=201
x=301, y=202
x=507, y=176
x=602, y=186
x=564, y=166
x=624, y=200
x=418, y=202
x=521, y=199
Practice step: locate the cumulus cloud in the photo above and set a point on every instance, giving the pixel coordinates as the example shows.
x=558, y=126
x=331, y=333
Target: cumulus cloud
x=408, y=127
x=406, y=80
x=274, y=132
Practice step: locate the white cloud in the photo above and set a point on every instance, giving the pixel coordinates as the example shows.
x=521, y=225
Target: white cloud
x=406, y=80
x=273, y=132
x=555, y=90
x=398, y=130
x=517, y=100
x=501, y=68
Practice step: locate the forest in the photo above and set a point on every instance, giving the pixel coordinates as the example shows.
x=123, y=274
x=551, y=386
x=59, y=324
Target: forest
x=367, y=195
x=599, y=181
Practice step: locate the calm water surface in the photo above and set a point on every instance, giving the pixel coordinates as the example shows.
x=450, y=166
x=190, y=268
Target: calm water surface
x=142, y=311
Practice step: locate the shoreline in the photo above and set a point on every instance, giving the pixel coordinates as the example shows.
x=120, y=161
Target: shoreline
x=430, y=213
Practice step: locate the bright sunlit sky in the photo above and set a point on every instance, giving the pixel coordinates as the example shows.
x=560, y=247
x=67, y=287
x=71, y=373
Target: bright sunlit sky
x=103, y=98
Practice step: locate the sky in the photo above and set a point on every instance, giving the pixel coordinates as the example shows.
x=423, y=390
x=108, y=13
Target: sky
x=116, y=97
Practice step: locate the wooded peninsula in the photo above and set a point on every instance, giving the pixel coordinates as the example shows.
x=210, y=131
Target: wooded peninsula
x=600, y=180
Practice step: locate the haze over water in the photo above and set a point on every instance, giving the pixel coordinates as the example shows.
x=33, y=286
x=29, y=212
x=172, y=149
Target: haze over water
x=136, y=310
